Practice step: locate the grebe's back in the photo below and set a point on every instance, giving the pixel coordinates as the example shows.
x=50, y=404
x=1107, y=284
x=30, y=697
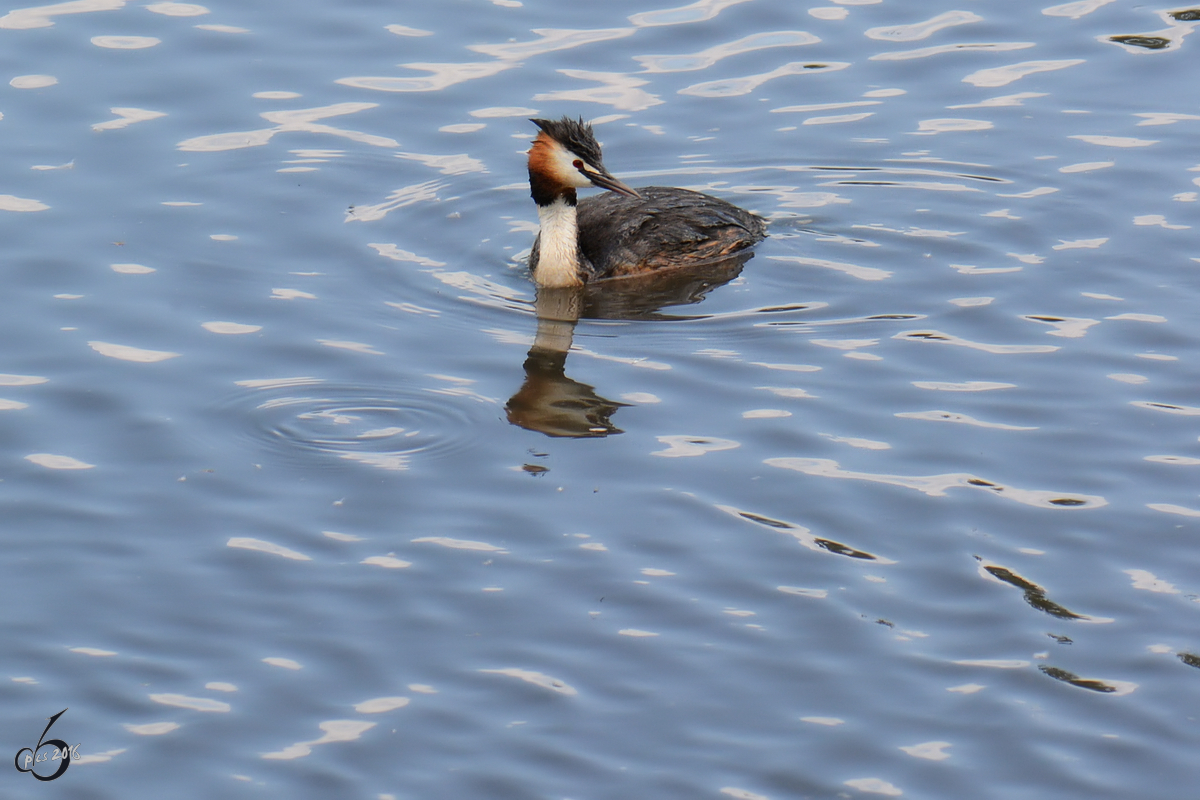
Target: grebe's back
x=622, y=232
x=664, y=228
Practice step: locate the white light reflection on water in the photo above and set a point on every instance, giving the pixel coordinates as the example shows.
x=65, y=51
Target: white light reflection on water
x=825, y=106
x=230, y=328
x=387, y=562
x=1171, y=508
x=1164, y=119
x=443, y=76
x=946, y=338
x=551, y=40
x=733, y=87
x=152, y=728
x=403, y=30
x=875, y=786
x=334, y=730
x=10, y=203
x=828, y=13
x=537, y=679
x=1114, y=141
x=992, y=77
x=126, y=352
x=742, y=794
x=1147, y=582
x=853, y=270
x=32, y=81
x=250, y=543
x=460, y=544
x=40, y=16
x=223, y=28
x=691, y=446
x=931, y=751
x=1003, y=101
x=426, y=191
x=191, y=703
x=926, y=52
x=952, y=416
x=125, y=42
x=934, y=126
x=923, y=30
x=700, y=11
x=617, y=89
x=95, y=652
x=295, y=120
x=838, y=118
x=457, y=164
x=710, y=56
x=1077, y=9
x=22, y=380
x=965, y=386
x=937, y=485
x=381, y=705
x=171, y=9
x=52, y=461
x=283, y=663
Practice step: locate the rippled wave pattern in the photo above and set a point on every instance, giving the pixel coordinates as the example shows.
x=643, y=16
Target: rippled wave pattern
x=309, y=492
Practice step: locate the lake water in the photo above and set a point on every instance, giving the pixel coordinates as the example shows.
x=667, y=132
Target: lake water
x=304, y=494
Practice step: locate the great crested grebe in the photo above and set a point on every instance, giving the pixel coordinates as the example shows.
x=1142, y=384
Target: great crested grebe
x=622, y=232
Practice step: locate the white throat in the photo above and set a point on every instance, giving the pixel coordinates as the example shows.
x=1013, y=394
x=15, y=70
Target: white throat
x=558, y=249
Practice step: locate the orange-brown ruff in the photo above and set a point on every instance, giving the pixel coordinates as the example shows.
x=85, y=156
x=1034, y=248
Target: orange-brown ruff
x=624, y=231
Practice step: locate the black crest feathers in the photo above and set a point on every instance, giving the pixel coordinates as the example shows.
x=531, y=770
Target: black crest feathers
x=575, y=135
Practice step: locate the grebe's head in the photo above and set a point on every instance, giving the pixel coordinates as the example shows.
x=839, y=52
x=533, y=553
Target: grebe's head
x=566, y=156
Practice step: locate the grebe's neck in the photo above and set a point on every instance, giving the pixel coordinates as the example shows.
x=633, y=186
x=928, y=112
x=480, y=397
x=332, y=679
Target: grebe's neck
x=558, y=249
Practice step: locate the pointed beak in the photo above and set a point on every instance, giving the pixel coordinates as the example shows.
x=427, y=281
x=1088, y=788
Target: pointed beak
x=602, y=179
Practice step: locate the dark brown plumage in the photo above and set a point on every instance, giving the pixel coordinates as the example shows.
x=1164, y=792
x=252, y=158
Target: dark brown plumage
x=665, y=228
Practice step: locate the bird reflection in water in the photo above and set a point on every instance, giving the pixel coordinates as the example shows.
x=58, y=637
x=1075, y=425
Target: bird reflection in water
x=556, y=405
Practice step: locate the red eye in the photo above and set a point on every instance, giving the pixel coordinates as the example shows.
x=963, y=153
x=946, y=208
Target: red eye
x=578, y=164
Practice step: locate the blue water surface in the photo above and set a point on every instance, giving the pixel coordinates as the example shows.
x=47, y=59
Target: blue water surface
x=308, y=493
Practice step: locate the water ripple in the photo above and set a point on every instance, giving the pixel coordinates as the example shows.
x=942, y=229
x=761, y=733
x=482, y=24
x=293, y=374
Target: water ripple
x=387, y=429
